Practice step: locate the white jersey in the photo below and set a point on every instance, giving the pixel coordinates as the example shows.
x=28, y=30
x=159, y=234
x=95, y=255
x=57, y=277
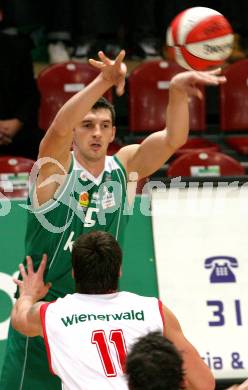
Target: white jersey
x=87, y=336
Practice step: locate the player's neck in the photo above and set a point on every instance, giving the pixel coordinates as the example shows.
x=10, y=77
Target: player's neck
x=95, y=168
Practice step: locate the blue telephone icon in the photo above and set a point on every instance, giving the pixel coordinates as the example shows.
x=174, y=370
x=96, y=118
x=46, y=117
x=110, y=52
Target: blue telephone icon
x=221, y=269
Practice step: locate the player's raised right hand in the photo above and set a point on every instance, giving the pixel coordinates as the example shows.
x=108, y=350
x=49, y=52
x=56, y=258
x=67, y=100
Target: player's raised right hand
x=113, y=71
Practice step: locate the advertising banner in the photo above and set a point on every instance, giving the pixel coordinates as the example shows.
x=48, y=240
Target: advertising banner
x=200, y=238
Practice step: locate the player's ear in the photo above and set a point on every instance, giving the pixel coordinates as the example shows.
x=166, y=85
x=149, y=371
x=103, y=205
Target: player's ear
x=120, y=272
x=72, y=272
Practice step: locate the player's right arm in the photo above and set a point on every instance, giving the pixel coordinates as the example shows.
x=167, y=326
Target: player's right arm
x=57, y=141
x=197, y=374
x=243, y=386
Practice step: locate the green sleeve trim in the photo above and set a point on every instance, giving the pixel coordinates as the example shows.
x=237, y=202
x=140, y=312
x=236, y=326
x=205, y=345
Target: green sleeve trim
x=121, y=166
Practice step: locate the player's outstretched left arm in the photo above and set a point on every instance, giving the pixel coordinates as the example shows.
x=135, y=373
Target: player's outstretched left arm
x=157, y=148
x=25, y=316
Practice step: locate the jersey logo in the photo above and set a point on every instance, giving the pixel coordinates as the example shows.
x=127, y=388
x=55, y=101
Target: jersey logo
x=84, y=199
x=108, y=200
x=69, y=242
x=82, y=317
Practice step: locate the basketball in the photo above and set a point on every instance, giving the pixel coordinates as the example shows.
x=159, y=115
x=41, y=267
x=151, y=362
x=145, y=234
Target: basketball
x=200, y=38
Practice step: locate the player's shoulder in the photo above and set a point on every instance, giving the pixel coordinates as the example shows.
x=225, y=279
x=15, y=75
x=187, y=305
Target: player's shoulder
x=132, y=297
x=111, y=163
x=61, y=301
x=114, y=164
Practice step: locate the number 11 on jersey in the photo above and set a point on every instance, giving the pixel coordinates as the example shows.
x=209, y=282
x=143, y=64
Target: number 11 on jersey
x=115, y=337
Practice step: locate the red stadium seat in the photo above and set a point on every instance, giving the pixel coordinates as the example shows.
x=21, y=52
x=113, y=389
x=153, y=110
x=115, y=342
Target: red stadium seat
x=113, y=148
x=14, y=176
x=205, y=164
x=140, y=185
x=234, y=104
x=194, y=144
x=238, y=143
x=191, y=145
x=58, y=82
x=148, y=87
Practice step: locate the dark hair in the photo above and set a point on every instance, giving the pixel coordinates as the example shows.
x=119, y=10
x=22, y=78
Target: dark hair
x=104, y=103
x=154, y=364
x=96, y=261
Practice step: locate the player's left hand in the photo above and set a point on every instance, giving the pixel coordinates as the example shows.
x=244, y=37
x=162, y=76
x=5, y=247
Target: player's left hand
x=32, y=283
x=113, y=71
x=190, y=81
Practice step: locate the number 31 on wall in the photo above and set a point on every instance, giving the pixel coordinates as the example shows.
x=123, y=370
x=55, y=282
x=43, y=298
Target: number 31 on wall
x=117, y=339
x=218, y=313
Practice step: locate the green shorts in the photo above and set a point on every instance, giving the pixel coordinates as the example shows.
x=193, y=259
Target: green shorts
x=26, y=366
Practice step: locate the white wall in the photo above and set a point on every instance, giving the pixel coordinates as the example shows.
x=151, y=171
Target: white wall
x=189, y=226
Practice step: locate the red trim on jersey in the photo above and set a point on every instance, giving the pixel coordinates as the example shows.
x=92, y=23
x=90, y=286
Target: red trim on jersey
x=160, y=306
x=43, y=310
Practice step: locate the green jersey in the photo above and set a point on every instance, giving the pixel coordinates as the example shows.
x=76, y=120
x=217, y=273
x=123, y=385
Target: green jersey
x=84, y=203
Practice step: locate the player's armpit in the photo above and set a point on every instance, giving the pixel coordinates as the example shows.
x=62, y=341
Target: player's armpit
x=50, y=179
x=147, y=157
